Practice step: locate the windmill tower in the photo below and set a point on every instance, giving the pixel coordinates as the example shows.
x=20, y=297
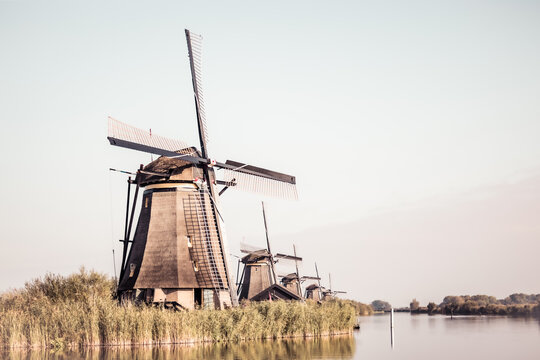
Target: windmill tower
x=315, y=291
x=291, y=282
x=259, y=280
x=178, y=254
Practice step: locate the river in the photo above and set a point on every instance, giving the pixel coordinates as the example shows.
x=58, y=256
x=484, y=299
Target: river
x=418, y=337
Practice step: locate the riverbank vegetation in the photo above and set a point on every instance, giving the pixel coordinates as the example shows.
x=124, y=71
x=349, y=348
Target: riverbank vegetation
x=380, y=305
x=360, y=308
x=79, y=310
x=514, y=305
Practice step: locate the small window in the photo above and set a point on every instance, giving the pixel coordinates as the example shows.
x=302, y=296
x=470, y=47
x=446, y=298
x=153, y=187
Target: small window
x=189, y=244
x=195, y=266
x=146, y=202
x=132, y=267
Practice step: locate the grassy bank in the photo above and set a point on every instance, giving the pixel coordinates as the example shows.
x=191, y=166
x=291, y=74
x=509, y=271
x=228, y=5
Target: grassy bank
x=78, y=310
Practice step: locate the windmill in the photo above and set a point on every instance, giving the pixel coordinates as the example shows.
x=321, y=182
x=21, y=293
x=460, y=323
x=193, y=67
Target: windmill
x=329, y=293
x=259, y=279
x=178, y=254
x=293, y=281
x=315, y=291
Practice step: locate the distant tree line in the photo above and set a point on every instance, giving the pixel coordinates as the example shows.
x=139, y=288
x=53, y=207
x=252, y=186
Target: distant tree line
x=360, y=308
x=380, y=305
x=516, y=305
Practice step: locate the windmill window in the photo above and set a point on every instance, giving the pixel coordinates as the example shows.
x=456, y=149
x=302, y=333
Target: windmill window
x=132, y=267
x=195, y=266
x=189, y=244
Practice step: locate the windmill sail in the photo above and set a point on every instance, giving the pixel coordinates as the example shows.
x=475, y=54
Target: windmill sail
x=258, y=180
x=239, y=175
x=124, y=135
x=288, y=257
x=310, y=278
x=247, y=248
x=194, y=42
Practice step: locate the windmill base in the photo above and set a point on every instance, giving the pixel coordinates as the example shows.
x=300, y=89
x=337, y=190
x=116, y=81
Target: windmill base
x=188, y=299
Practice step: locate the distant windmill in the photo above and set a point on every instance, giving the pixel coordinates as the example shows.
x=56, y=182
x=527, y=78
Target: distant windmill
x=259, y=280
x=315, y=291
x=329, y=293
x=178, y=254
x=293, y=281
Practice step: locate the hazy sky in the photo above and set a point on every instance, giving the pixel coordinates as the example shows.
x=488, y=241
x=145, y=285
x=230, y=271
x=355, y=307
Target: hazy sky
x=412, y=127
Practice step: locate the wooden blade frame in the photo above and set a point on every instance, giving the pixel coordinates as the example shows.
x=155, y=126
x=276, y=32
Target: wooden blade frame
x=288, y=257
x=130, y=137
x=194, y=43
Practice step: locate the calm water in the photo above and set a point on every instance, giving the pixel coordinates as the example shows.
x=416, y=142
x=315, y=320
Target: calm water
x=419, y=337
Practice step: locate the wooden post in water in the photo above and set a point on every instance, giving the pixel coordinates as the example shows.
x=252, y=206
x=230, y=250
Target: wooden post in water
x=392, y=328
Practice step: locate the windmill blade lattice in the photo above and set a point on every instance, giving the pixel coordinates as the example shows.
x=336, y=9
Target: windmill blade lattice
x=310, y=277
x=248, y=247
x=258, y=183
x=195, y=59
x=120, y=132
x=288, y=257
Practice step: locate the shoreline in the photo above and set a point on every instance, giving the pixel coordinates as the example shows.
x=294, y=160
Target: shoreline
x=184, y=343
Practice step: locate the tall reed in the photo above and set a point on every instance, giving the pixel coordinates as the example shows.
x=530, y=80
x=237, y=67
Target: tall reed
x=78, y=310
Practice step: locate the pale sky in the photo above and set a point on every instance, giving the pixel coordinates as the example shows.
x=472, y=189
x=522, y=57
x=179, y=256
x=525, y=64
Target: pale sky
x=412, y=128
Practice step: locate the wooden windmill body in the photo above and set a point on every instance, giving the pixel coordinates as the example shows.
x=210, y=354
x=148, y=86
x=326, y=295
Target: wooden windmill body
x=313, y=292
x=258, y=284
x=258, y=274
x=178, y=254
x=291, y=283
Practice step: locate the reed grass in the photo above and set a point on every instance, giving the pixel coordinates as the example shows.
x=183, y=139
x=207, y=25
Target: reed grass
x=79, y=310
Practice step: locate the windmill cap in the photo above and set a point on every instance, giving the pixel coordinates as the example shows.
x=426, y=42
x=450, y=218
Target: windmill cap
x=171, y=168
x=289, y=277
x=255, y=256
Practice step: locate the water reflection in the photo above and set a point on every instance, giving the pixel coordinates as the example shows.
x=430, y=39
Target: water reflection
x=341, y=347
x=392, y=328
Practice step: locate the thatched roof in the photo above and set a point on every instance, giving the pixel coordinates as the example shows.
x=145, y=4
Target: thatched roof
x=289, y=277
x=167, y=166
x=256, y=256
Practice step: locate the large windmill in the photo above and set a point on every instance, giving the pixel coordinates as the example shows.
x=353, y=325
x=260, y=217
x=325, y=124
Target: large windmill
x=178, y=252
